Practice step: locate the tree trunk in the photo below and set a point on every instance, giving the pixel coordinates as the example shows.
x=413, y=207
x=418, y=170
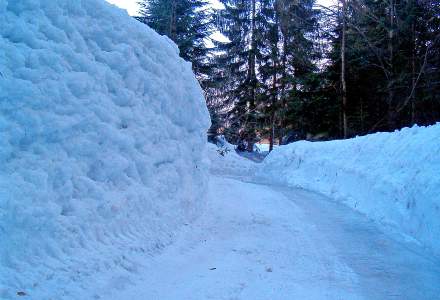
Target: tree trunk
x=283, y=90
x=391, y=108
x=413, y=75
x=362, y=115
x=343, y=68
x=173, y=21
x=274, y=81
x=252, y=80
x=272, y=131
x=252, y=54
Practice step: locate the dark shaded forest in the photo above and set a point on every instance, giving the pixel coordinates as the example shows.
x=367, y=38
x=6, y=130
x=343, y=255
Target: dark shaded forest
x=289, y=70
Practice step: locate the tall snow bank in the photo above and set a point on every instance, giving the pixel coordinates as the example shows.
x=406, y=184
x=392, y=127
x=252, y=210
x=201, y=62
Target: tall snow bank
x=393, y=178
x=102, y=129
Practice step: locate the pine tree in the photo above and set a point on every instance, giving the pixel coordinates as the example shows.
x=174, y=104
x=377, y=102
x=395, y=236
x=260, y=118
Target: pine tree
x=298, y=26
x=266, y=62
x=381, y=67
x=238, y=63
x=391, y=58
x=186, y=22
x=270, y=70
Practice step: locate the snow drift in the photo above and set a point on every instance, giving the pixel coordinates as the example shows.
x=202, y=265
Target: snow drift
x=224, y=161
x=102, y=129
x=394, y=178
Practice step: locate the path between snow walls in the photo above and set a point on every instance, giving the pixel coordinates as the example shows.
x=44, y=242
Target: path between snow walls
x=257, y=241
x=393, y=178
x=102, y=134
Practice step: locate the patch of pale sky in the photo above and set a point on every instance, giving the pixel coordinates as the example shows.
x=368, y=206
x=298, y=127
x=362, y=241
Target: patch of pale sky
x=132, y=5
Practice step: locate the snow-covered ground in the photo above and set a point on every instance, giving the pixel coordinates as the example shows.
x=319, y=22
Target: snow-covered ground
x=104, y=176
x=225, y=161
x=268, y=242
x=264, y=147
x=393, y=178
x=102, y=131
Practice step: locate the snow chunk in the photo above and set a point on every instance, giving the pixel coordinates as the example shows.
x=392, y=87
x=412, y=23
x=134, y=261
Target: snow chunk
x=224, y=161
x=102, y=131
x=394, y=178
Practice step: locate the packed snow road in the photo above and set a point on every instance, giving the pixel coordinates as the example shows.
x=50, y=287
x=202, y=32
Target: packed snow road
x=262, y=242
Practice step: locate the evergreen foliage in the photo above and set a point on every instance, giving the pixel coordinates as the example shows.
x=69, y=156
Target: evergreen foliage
x=186, y=22
x=296, y=70
x=392, y=64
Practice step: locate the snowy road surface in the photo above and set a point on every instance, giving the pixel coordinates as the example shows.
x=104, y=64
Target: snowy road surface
x=261, y=242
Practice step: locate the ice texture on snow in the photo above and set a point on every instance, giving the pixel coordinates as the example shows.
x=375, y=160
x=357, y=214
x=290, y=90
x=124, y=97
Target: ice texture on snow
x=394, y=178
x=102, y=130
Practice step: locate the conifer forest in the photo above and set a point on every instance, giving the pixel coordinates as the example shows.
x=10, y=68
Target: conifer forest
x=293, y=69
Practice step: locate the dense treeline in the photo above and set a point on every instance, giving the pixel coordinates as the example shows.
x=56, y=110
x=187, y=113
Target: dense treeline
x=391, y=63
x=296, y=70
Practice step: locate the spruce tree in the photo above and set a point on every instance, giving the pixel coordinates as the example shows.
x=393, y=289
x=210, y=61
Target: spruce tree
x=186, y=22
x=266, y=63
x=298, y=25
x=392, y=60
x=270, y=69
x=238, y=64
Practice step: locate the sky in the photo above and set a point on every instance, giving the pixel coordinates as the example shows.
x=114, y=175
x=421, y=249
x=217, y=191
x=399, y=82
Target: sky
x=131, y=5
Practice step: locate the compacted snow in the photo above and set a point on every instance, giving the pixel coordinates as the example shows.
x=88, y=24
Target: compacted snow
x=268, y=242
x=102, y=130
x=105, y=191
x=393, y=178
x=225, y=161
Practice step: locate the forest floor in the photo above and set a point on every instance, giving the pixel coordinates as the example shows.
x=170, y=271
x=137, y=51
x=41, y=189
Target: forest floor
x=265, y=242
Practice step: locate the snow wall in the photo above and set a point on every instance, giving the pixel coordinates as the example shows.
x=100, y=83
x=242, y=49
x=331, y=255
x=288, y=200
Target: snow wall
x=102, y=135
x=393, y=178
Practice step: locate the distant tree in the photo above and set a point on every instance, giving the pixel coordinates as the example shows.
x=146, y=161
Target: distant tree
x=237, y=63
x=186, y=22
x=294, y=68
x=270, y=67
x=391, y=63
x=266, y=63
x=299, y=58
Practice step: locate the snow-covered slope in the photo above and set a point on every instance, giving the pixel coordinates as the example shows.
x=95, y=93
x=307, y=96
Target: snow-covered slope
x=102, y=130
x=225, y=161
x=394, y=178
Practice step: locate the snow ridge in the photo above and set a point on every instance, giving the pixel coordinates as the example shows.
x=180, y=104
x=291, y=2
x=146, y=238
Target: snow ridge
x=393, y=178
x=102, y=131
